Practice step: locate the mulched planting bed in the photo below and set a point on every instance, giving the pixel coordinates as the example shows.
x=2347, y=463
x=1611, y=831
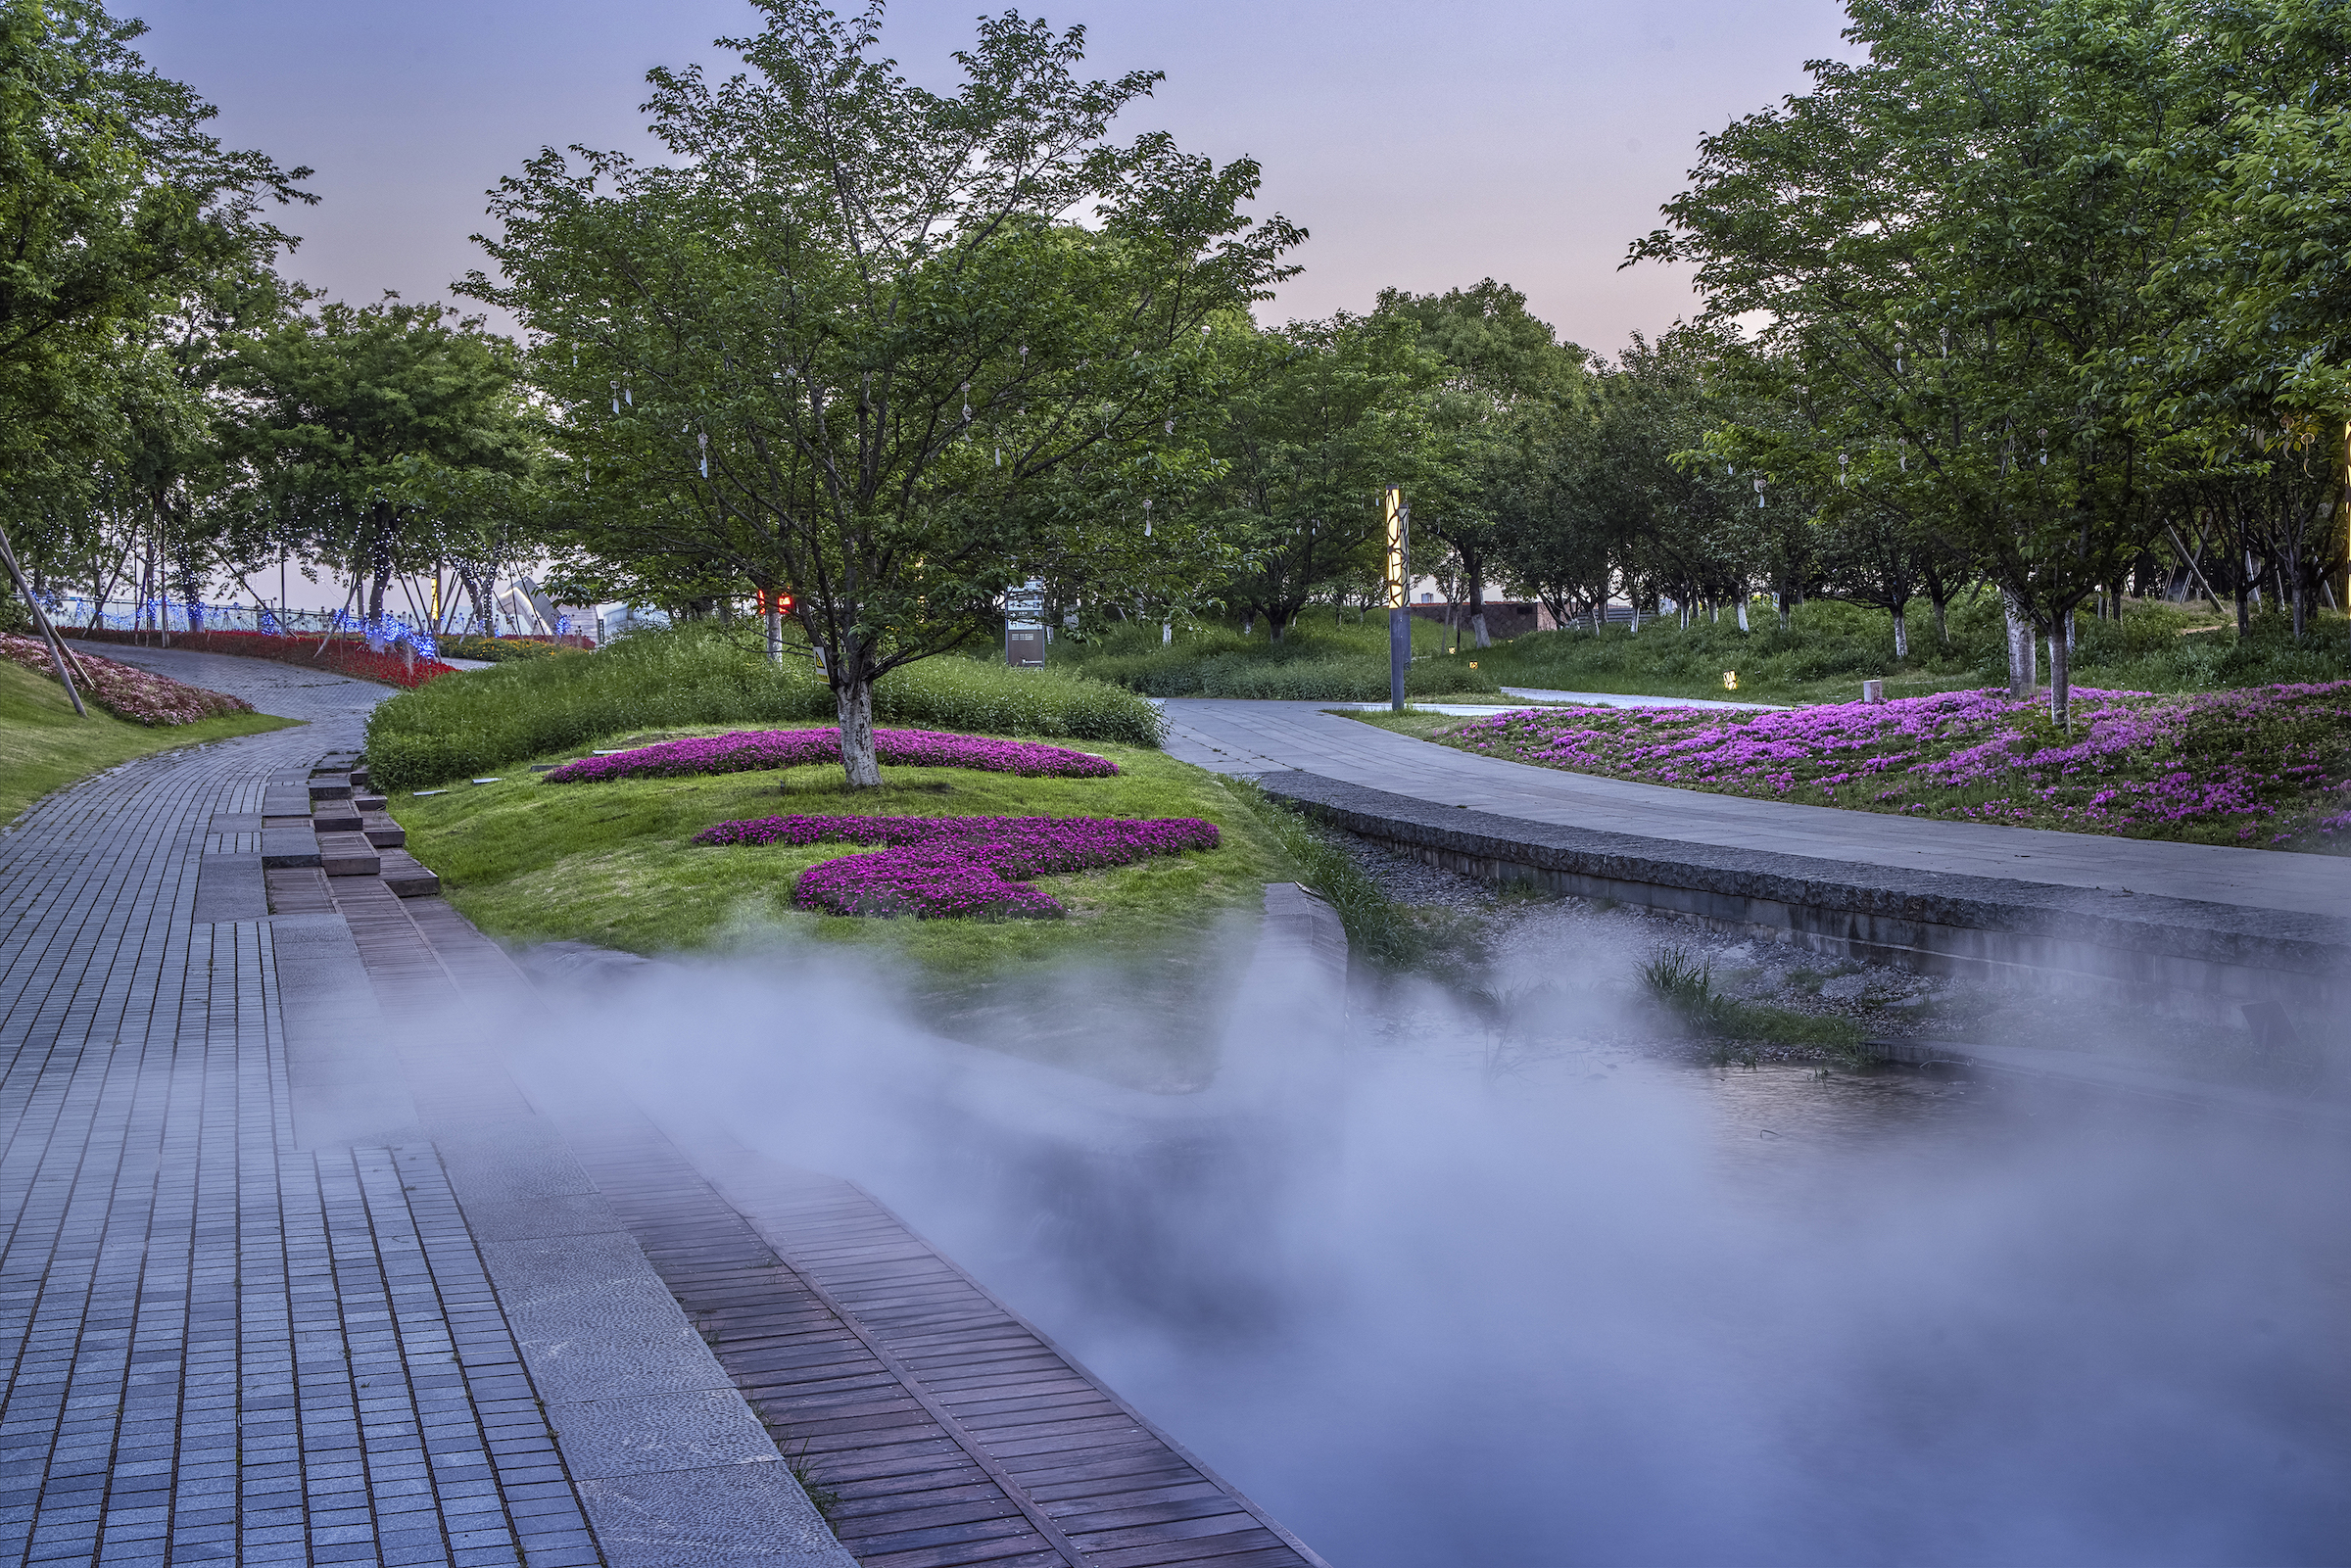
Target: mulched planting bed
x=125, y=691
x=745, y=752
x=2264, y=766
x=939, y=867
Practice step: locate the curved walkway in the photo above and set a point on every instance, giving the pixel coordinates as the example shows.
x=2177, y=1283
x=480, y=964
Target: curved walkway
x=1260, y=737
x=227, y=1339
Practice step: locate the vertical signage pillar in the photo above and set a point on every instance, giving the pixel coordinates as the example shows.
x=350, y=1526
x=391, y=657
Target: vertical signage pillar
x=1400, y=615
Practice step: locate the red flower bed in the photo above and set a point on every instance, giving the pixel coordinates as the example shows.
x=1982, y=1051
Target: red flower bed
x=344, y=655
x=126, y=692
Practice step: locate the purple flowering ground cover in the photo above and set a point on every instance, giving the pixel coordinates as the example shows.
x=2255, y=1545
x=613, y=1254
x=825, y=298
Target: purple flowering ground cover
x=2266, y=766
x=749, y=750
x=942, y=866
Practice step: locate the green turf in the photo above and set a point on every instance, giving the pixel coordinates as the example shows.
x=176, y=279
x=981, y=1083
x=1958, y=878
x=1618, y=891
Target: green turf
x=44, y=747
x=613, y=864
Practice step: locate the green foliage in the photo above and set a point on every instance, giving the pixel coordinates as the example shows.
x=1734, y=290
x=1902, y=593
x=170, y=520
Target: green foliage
x=465, y=725
x=500, y=649
x=1316, y=663
x=854, y=340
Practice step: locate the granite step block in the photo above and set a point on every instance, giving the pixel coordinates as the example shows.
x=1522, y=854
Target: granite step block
x=382, y=831
x=360, y=778
x=348, y=854
x=330, y=786
x=407, y=878
x=286, y=802
x=335, y=817
x=289, y=847
x=368, y=802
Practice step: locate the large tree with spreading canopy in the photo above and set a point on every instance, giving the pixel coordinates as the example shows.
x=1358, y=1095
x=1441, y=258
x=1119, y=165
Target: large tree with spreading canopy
x=888, y=348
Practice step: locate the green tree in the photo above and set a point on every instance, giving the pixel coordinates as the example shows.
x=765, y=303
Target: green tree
x=117, y=208
x=1954, y=242
x=364, y=423
x=1337, y=413
x=1507, y=378
x=856, y=342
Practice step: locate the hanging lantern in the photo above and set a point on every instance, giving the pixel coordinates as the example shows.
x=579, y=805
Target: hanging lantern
x=1760, y=484
x=1842, y=464
x=1146, y=517
x=702, y=440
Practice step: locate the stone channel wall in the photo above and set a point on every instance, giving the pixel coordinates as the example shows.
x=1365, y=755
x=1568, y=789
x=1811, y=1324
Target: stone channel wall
x=2203, y=958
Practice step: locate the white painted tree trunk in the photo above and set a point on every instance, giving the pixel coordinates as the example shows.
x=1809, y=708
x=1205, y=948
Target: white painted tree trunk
x=853, y=701
x=1742, y=612
x=2022, y=675
x=1901, y=632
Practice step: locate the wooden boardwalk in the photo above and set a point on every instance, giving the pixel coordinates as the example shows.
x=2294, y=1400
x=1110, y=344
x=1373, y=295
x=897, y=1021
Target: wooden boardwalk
x=946, y=1431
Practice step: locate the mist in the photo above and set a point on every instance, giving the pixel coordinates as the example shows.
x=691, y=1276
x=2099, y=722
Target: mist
x=1434, y=1295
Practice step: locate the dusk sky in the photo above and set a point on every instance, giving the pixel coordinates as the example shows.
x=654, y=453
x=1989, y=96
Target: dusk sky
x=1424, y=145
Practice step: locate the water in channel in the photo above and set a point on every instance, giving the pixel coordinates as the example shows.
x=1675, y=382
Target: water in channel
x=1434, y=1303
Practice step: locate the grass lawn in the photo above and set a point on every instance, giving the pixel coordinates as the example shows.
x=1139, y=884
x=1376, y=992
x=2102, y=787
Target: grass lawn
x=613, y=864
x=43, y=746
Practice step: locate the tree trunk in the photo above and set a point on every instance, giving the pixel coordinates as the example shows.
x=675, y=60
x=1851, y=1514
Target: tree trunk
x=2060, y=681
x=1901, y=630
x=1743, y=625
x=2021, y=677
x=375, y=610
x=853, y=701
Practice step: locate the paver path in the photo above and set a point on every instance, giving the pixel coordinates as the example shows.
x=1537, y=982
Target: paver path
x=226, y=1337
x=1256, y=738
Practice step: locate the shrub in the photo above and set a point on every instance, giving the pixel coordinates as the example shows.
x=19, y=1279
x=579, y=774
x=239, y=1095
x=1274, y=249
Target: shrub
x=701, y=675
x=500, y=649
x=344, y=655
x=127, y=692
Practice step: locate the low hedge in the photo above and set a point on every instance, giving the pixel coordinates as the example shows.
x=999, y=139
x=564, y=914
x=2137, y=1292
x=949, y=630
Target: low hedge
x=340, y=653
x=705, y=676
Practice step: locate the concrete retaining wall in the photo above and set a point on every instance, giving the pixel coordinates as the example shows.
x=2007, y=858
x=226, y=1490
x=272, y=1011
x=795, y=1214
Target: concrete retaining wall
x=2205, y=959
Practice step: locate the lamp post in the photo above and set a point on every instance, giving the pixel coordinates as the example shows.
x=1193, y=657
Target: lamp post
x=1400, y=621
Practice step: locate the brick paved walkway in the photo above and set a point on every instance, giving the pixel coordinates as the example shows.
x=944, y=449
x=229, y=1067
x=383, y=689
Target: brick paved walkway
x=222, y=1343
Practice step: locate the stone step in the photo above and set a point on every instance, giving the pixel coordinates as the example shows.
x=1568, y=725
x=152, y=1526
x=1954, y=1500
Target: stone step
x=290, y=800
x=382, y=831
x=407, y=878
x=368, y=802
x=288, y=847
x=349, y=855
x=330, y=786
x=335, y=817
x=360, y=778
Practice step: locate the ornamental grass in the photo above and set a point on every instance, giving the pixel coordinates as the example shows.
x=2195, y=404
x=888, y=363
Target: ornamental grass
x=749, y=750
x=2266, y=766
x=127, y=692
x=942, y=866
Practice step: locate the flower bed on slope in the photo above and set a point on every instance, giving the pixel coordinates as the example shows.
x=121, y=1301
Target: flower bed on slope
x=2265, y=765
x=745, y=752
x=940, y=866
x=344, y=655
x=127, y=692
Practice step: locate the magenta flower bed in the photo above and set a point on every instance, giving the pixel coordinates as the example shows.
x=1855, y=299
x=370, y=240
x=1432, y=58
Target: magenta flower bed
x=126, y=691
x=2268, y=765
x=748, y=751
x=939, y=867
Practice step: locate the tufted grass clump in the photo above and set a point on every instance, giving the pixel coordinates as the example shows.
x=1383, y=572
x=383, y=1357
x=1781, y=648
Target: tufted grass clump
x=475, y=723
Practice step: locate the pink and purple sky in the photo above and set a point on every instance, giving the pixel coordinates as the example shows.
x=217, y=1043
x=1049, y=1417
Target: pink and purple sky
x=1424, y=145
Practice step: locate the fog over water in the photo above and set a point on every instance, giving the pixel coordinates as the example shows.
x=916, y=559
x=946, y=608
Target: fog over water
x=1431, y=1300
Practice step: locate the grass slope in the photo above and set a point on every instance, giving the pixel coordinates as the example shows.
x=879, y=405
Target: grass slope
x=43, y=746
x=613, y=865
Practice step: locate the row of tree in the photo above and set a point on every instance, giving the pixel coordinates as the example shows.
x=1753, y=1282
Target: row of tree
x=2050, y=295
